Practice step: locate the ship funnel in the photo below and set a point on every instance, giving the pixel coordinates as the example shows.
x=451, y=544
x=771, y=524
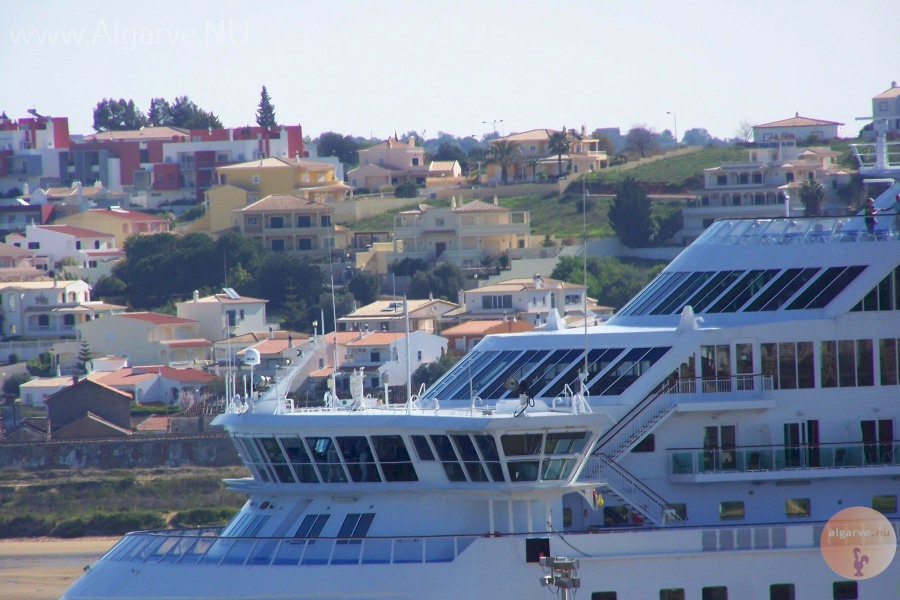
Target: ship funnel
x=688, y=321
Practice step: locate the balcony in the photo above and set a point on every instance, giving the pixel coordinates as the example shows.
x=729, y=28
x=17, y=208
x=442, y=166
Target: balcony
x=738, y=392
x=743, y=463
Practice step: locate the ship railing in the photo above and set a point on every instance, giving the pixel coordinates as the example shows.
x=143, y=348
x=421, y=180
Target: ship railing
x=645, y=415
x=632, y=490
x=207, y=547
x=798, y=230
x=750, y=386
x=752, y=459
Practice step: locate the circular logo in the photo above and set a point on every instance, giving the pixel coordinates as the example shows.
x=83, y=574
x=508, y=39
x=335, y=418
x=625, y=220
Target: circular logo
x=858, y=543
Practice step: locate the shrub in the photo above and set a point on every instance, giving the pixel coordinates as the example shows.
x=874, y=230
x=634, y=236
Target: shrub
x=118, y=523
x=70, y=528
x=13, y=358
x=202, y=517
x=24, y=526
x=407, y=189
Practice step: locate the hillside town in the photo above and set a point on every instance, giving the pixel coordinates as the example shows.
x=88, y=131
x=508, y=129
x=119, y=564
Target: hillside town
x=86, y=360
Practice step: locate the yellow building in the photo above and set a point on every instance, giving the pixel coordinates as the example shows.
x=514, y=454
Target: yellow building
x=290, y=223
x=534, y=160
x=245, y=183
x=117, y=222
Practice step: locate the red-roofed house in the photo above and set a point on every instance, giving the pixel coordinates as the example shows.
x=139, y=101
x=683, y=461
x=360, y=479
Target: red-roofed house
x=797, y=128
x=93, y=252
x=463, y=337
x=117, y=222
x=526, y=299
x=89, y=409
x=289, y=223
x=156, y=383
x=148, y=338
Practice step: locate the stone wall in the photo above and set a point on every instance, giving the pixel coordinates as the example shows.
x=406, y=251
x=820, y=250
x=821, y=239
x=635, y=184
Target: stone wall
x=136, y=451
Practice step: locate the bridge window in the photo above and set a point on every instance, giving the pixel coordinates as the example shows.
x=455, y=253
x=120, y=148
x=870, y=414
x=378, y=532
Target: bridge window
x=731, y=510
x=797, y=507
x=781, y=591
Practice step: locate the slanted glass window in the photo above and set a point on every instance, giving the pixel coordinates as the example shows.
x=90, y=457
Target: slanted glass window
x=423, y=450
x=826, y=287
x=358, y=458
x=782, y=289
x=470, y=457
x=276, y=458
x=299, y=459
x=447, y=456
x=355, y=525
x=650, y=295
x=598, y=361
x=675, y=302
x=569, y=442
x=326, y=456
x=488, y=448
x=521, y=444
x=545, y=372
x=713, y=289
x=394, y=458
x=497, y=384
x=748, y=286
x=620, y=377
x=311, y=526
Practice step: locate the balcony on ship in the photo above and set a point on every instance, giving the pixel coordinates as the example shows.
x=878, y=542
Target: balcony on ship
x=738, y=392
x=784, y=462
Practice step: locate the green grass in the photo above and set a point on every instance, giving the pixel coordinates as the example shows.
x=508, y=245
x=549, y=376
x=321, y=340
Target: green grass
x=560, y=216
x=96, y=502
x=678, y=173
x=385, y=222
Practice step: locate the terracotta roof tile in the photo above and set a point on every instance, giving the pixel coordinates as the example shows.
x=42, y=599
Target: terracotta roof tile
x=286, y=202
x=480, y=206
x=78, y=232
x=155, y=318
x=377, y=338
x=798, y=121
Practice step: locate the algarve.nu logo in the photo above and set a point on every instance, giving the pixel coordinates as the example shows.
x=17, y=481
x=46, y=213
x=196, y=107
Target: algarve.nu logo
x=858, y=543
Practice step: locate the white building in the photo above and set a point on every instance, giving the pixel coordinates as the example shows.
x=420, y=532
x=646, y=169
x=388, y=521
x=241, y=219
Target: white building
x=33, y=393
x=146, y=338
x=48, y=308
x=524, y=299
x=224, y=315
x=81, y=252
x=798, y=128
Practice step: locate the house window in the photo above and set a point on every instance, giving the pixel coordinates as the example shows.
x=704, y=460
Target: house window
x=375, y=357
x=882, y=106
x=92, y=264
x=277, y=245
x=43, y=321
x=439, y=222
x=96, y=244
x=255, y=179
x=34, y=245
x=419, y=356
x=252, y=220
x=78, y=244
x=573, y=299
x=304, y=244
x=494, y=302
x=722, y=180
x=304, y=221
x=415, y=161
x=672, y=594
x=325, y=221
x=276, y=222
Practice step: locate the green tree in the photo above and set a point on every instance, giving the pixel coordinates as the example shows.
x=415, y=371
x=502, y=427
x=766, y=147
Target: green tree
x=642, y=140
x=108, y=287
x=428, y=373
x=117, y=115
x=503, y=153
x=344, y=147
x=41, y=365
x=365, y=287
x=444, y=281
x=186, y=114
x=160, y=113
x=812, y=195
x=12, y=383
x=629, y=214
x=407, y=189
x=265, y=113
x=408, y=266
x=84, y=357
x=611, y=281
x=293, y=309
x=604, y=144
x=450, y=151
x=559, y=144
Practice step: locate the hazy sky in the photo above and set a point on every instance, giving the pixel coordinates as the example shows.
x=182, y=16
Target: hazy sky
x=372, y=68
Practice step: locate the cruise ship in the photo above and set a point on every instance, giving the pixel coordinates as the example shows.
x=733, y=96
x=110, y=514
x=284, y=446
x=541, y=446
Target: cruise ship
x=694, y=447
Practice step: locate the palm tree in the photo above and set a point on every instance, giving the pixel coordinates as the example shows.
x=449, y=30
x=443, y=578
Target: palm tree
x=533, y=162
x=812, y=195
x=504, y=153
x=559, y=144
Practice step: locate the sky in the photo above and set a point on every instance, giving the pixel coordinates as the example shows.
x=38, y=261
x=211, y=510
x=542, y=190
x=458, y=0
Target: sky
x=368, y=68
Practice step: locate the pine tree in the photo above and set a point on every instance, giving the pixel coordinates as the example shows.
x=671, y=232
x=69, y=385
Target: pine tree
x=630, y=215
x=265, y=114
x=84, y=357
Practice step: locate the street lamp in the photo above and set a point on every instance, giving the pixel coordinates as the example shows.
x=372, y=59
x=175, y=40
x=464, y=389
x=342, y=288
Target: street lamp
x=675, y=119
x=493, y=124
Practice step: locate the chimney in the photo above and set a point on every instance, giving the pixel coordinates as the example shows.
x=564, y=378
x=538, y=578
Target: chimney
x=196, y=295
x=496, y=202
x=270, y=332
x=893, y=84
x=537, y=281
x=290, y=341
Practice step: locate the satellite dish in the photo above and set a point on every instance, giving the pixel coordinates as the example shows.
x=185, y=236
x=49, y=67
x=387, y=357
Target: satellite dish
x=251, y=357
x=512, y=384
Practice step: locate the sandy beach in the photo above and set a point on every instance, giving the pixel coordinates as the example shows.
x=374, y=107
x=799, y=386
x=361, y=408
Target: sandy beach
x=41, y=569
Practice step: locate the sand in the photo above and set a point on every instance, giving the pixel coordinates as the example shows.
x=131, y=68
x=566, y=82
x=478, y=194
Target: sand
x=41, y=569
